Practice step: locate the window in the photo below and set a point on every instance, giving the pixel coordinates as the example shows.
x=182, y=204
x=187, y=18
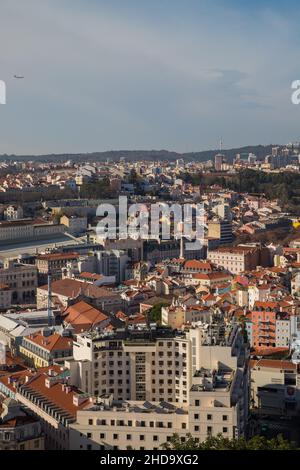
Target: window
x=142, y=437
x=196, y=428
x=91, y=421
x=197, y=402
x=102, y=435
x=196, y=416
x=209, y=417
x=128, y=437
x=89, y=435
x=225, y=418
x=115, y=436
x=155, y=438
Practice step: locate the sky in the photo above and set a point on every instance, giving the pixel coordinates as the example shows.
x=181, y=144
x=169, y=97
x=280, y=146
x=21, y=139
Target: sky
x=135, y=74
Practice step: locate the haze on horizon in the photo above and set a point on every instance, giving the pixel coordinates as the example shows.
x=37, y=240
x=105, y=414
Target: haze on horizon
x=164, y=74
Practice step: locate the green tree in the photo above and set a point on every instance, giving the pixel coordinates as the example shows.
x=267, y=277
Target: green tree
x=223, y=443
x=155, y=312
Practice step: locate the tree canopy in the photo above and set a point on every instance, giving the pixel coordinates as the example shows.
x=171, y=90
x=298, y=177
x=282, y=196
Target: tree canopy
x=223, y=443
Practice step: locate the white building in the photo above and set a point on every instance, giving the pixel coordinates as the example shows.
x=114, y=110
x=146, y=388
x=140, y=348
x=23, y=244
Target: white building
x=150, y=386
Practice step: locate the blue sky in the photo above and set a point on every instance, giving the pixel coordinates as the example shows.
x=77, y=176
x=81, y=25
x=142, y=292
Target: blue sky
x=128, y=74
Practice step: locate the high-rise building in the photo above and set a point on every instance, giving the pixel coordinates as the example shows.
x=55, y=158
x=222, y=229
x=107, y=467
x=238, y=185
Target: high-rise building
x=219, y=158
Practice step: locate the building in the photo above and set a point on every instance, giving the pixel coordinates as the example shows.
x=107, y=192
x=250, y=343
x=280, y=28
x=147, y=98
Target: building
x=208, y=394
x=275, y=387
x=5, y=296
x=268, y=327
x=106, y=262
x=65, y=290
x=176, y=316
x=221, y=230
x=49, y=398
x=240, y=258
x=219, y=158
x=53, y=263
x=21, y=280
x=18, y=429
x=76, y=225
x=28, y=229
x=13, y=213
x=84, y=317
x=46, y=348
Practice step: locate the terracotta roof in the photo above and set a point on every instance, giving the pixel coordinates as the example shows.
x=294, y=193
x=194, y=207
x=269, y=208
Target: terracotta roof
x=52, y=342
x=72, y=288
x=92, y=276
x=55, y=393
x=195, y=264
x=272, y=363
x=212, y=276
x=83, y=316
x=264, y=305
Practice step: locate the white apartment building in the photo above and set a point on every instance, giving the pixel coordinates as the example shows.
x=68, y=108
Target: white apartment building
x=152, y=387
x=258, y=293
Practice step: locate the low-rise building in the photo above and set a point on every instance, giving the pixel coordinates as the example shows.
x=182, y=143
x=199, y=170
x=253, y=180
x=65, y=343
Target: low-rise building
x=18, y=429
x=46, y=348
x=275, y=387
x=21, y=280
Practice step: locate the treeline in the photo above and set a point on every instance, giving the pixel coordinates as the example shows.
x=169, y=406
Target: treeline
x=283, y=186
x=223, y=443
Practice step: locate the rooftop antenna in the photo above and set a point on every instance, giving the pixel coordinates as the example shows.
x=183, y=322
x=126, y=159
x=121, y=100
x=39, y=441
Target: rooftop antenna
x=49, y=308
x=221, y=145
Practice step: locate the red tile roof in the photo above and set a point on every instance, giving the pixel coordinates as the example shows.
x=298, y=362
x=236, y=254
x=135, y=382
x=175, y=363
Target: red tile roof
x=51, y=343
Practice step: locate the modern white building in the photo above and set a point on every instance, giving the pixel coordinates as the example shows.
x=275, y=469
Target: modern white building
x=150, y=386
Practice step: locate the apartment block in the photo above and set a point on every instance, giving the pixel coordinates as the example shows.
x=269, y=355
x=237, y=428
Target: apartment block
x=162, y=382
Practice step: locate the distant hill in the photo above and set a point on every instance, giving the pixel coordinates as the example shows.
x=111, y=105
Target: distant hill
x=134, y=155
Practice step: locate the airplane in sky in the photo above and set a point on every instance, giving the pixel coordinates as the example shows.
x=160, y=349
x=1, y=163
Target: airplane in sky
x=18, y=76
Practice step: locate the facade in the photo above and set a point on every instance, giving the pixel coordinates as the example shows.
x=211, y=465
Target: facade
x=106, y=262
x=44, y=349
x=275, y=387
x=21, y=280
x=268, y=327
x=53, y=263
x=240, y=258
x=5, y=296
x=49, y=398
x=19, y=430
x=221, y=230
x=65, y=290
x=28, y=229
x=209, y=396
x=75, y=224
x=13, y=213
x=176, y=316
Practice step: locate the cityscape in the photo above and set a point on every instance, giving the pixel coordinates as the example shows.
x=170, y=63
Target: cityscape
x=149, y=299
